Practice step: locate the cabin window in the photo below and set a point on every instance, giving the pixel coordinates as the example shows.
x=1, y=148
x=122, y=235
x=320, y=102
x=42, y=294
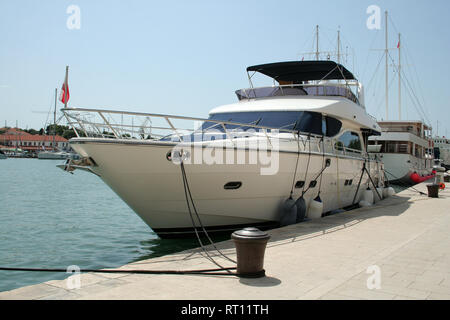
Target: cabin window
x=303, y=121
x=333, y=126
x=349, y=140
x=310, y=122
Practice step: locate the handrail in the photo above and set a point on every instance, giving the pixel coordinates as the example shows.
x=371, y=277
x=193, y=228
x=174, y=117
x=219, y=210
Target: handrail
x=67, y=111
x=253, y=92
x=110, y=130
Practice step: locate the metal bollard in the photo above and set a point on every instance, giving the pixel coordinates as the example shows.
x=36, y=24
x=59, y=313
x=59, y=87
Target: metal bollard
x=250, y=248
x=433, y=190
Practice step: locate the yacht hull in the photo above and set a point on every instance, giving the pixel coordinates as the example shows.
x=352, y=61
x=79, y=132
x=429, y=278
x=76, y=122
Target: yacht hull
x=141, y=174
x=401, y=168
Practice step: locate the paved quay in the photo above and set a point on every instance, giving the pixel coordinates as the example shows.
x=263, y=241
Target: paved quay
x=404, y=239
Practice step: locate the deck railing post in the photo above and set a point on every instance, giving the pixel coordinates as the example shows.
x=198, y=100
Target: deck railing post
x=109, y=125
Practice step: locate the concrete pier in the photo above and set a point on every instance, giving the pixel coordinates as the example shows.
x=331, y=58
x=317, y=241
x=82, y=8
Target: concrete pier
x=397, y=249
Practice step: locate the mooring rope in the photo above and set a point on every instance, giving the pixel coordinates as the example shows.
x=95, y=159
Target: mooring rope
x=402, y=184
x=307, y=166
x=296, y=165
x=188, y=192
x=174, y=272
x=323, y=164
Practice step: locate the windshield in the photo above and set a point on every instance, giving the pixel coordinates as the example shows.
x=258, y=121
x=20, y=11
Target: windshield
x=304, y=121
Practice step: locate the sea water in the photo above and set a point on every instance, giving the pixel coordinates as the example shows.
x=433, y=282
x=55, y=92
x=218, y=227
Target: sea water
x=52, y=219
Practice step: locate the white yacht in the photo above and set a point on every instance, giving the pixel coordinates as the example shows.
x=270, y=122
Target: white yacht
x=405, y=146
x=442, y=150
x=305, y=136
x=406, y=149
x=53, y=155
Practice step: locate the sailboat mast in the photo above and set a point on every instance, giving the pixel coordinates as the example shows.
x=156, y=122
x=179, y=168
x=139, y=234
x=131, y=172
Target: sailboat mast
x=386, y=52
x=339, y=47
x=399, y=78
x=317, y=42
x=54, y=119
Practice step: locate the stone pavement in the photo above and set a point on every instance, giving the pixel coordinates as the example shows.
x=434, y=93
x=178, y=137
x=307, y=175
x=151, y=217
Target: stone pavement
x=398, y=249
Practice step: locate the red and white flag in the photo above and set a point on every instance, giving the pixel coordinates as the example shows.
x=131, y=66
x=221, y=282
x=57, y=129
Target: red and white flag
x=64, y=97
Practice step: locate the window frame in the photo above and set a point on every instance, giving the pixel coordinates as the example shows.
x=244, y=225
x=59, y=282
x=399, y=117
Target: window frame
x=344, y=148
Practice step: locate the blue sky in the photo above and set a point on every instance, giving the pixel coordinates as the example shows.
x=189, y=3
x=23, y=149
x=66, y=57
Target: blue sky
x=186, y=57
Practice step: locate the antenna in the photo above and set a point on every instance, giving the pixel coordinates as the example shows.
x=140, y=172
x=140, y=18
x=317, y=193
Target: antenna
x=386, y=52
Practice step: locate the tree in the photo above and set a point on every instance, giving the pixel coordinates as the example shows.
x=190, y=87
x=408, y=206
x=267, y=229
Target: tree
x=69, y=134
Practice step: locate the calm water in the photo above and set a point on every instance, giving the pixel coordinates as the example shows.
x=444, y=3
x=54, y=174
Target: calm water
x=52, y=219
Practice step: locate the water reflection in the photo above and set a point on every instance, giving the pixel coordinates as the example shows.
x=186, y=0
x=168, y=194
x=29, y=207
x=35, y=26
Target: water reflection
x=153, y=248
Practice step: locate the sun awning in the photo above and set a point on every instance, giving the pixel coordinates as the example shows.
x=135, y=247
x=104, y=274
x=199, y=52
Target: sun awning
x=299, y=71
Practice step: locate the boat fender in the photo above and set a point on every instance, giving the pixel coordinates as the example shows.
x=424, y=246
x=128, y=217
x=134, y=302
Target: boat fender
x=368, y=196
x=289, y=213
x=364, y=204
x=301, y=209
x=389, y=192
x=375, y=195
x=315, y=208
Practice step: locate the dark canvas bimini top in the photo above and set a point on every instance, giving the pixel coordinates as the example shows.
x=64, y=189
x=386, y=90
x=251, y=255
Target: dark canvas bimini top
x=298, y=71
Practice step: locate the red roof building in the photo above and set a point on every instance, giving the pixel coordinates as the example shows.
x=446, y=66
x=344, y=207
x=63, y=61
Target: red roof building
x=16, y=138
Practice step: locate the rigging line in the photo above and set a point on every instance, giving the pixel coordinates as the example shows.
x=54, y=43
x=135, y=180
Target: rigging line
x=373, y=90
x=198, y=217
x=372, y=97
x=368, y=54
x=412, y=62
x=416, y=102
x=323, y=162
x=376, y=70
x=305, y=44
x=347, y=44
x=331, y=43
x=380, y=103
x=417, y=80
x=307, y=165
x=330, y=72
x=393, y=24
x=317, y=177
x=48, y=114
x=411, y=90
x=296, y=164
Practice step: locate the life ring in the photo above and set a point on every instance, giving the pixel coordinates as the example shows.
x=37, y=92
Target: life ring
x=442, y=186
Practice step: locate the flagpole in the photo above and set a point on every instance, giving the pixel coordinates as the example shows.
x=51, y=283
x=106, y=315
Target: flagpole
x=54, y=120
x=66, y=85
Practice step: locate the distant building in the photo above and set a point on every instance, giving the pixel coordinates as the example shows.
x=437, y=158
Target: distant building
x=34, y=143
